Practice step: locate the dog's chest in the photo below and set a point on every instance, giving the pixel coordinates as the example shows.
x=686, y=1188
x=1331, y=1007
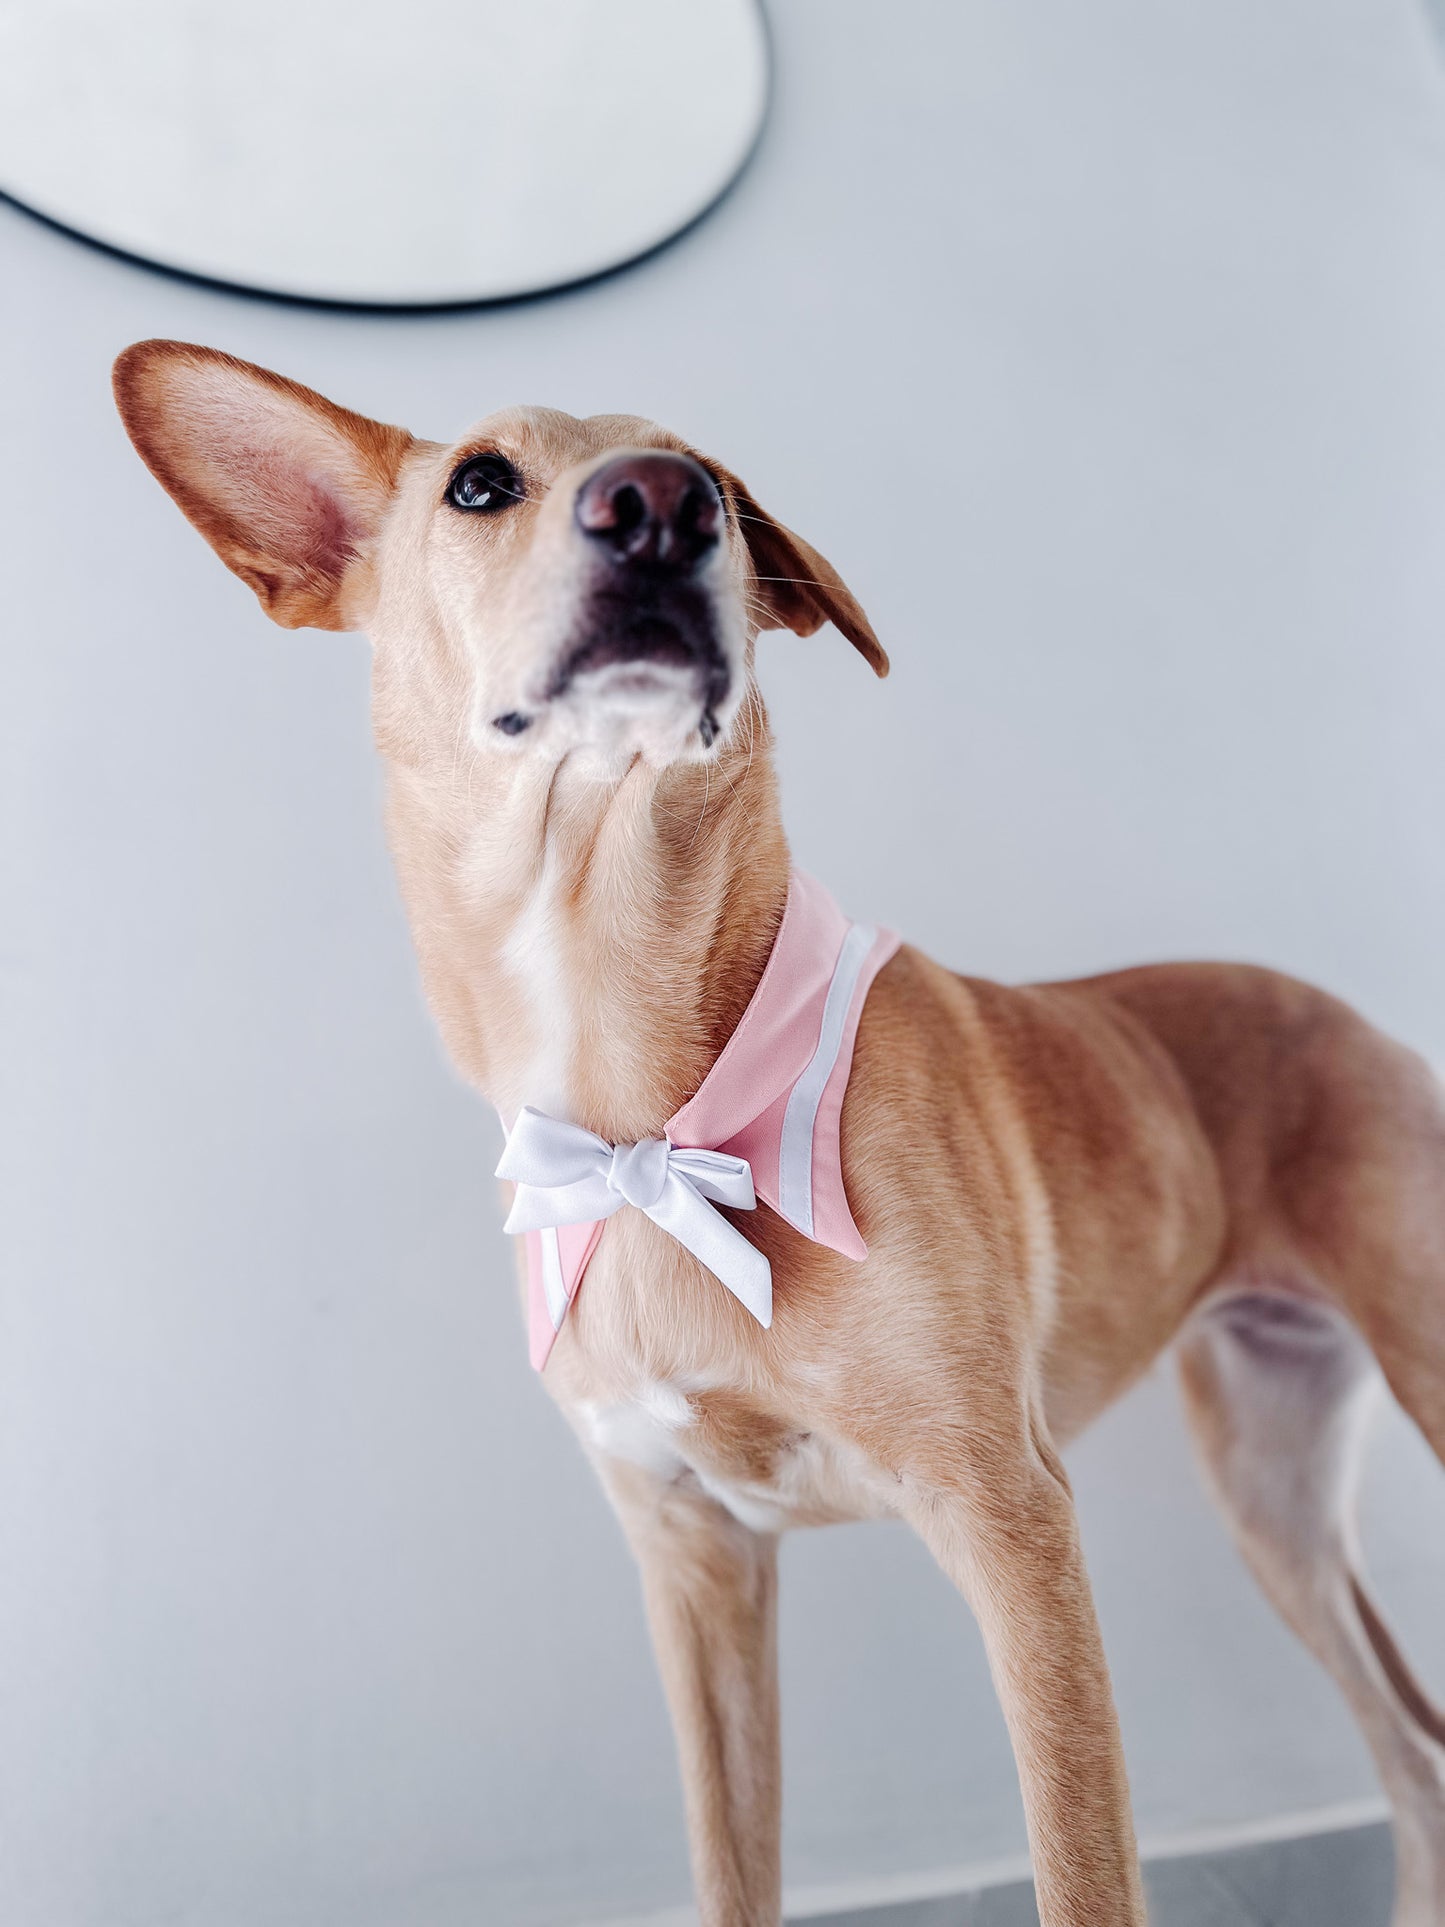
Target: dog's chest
x=767, y=1475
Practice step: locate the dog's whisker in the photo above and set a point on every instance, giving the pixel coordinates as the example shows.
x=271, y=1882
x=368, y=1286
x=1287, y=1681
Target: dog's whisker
x=706, y=792
x=737, y=796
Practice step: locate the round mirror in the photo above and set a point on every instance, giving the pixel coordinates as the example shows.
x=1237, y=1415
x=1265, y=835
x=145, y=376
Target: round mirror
x=371, y=152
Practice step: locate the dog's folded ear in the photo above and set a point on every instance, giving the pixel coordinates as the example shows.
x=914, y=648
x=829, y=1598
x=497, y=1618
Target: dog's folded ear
x=288, y=489
x=795, y=587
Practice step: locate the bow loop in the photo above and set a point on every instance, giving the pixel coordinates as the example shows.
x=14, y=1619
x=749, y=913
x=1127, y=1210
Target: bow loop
x=565, y=1175
x=719, y=1176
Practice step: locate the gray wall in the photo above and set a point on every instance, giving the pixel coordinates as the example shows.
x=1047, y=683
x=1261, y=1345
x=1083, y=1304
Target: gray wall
x=1104, y=349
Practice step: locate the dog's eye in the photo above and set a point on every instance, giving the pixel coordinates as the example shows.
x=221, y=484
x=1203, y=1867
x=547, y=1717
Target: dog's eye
x=487, y=483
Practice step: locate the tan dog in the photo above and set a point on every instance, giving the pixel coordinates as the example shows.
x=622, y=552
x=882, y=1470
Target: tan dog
x=585, y=824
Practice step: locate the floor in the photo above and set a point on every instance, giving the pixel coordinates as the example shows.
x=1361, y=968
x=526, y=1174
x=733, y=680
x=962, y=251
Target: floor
x=1330, y=1880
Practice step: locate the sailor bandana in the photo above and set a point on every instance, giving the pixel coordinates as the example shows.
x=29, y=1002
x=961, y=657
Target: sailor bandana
x=764, y=1123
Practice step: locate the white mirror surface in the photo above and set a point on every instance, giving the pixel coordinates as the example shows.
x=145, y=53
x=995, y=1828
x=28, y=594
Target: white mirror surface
x=379, y=151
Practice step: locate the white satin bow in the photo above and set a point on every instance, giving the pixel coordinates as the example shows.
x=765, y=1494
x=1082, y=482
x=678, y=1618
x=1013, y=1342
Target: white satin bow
x=565, y=1175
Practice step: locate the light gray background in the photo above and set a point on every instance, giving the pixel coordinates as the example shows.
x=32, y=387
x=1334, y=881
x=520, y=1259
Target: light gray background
x=1104, y=350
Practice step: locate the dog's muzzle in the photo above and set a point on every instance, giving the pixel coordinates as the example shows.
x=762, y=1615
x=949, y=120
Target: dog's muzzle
x=652, y=522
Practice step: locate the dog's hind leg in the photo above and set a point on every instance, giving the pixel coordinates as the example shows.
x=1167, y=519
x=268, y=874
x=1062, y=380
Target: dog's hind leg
x=1278, y=1390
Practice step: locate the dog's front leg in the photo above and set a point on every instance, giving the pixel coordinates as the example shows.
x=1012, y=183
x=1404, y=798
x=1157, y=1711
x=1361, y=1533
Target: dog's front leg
x=1000, y=1521
x=711, y=1591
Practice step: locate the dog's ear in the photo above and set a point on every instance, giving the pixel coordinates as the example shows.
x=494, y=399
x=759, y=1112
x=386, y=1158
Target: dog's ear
x=795, y=587
x=288, y=489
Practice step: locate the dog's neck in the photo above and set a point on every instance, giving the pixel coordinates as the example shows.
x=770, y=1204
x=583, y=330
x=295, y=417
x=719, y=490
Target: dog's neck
x=588, y=946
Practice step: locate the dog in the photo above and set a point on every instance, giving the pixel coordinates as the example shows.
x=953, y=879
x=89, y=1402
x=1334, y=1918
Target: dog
x=1052, y=1183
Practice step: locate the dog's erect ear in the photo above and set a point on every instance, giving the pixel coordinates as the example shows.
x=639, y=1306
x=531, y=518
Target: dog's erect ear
x=796, y=588
x=287, y=488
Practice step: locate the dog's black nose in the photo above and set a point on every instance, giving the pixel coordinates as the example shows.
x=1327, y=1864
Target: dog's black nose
x=655, y=508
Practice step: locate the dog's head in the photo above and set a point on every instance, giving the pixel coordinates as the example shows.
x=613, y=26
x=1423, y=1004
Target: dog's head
x=555, y=585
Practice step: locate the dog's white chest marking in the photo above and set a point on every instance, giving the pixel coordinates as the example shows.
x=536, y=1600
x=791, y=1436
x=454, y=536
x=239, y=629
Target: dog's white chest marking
x=812, y=1479
x=643, y=1430
x=534, y=955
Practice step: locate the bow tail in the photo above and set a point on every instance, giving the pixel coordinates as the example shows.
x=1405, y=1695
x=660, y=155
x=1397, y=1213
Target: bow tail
x=685, y=1213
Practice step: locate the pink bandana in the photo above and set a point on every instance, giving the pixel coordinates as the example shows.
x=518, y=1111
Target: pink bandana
x=764, y=1120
